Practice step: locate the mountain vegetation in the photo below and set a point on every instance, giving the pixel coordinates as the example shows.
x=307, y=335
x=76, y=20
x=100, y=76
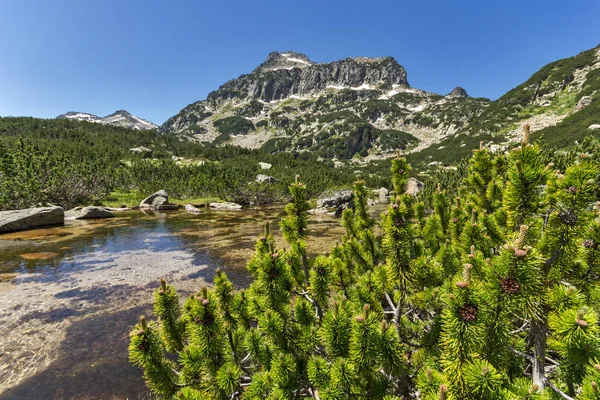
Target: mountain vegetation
x=487, y=294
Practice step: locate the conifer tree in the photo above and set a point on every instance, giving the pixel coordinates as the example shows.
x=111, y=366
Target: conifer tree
x=490, y=295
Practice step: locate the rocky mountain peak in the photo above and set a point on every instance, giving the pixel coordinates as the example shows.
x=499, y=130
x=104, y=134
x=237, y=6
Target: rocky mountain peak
x=286, y=60
x=119, y=118
x=458, y=92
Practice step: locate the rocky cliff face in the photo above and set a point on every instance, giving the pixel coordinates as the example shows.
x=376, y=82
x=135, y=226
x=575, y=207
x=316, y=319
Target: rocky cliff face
x=365, y=106
x=286, y=74
x=120, y=118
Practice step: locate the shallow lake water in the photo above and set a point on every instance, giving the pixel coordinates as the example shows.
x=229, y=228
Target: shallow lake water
x=70, y=295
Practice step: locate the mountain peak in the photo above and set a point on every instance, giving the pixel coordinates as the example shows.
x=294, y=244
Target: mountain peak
x=458, y=92
x=119, y=118
x=285, y=60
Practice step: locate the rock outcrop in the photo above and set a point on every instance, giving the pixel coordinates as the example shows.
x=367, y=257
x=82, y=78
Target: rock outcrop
x=458, y=92
x=91, y=212
x=31, y=218
x=158, y=201
x=260, y=178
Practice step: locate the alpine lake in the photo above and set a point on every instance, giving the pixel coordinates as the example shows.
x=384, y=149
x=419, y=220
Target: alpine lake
x=70, y=295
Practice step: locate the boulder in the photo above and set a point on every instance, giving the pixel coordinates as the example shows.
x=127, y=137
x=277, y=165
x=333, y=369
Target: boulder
x=191, y=209
x=371, y=202
x=594, y=127
x=158, y=201
x=91, y=212
x=225, y=206
x=338, y=199
x=584, y=102
x=413, y=186
x=264, y=165
x=30, y=218
x=260, y=178
x=383, y=194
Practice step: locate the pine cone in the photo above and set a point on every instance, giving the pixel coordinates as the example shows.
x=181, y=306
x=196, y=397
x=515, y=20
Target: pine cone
x=568, y=217
x=398, y=222
x=510, y=285
x=572, y=189
x=468, y=312
x=454, y=220
x=520, y=253
x=273, y=274
x=321, y=271
x=589, y=244
x=143, y=346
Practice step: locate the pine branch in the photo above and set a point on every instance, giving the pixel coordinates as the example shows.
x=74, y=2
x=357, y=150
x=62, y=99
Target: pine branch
x=558, y=391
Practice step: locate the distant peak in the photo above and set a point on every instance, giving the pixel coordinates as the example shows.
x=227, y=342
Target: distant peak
x=458, y=92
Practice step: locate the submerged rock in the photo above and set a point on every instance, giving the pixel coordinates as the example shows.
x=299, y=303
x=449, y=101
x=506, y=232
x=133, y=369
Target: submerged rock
x=91, y=212
x=31, y=218
x=225, y=206
x=191, y=209
x=318, y=211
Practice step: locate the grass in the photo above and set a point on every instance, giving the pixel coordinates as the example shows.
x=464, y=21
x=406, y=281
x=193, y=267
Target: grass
x=134, y=198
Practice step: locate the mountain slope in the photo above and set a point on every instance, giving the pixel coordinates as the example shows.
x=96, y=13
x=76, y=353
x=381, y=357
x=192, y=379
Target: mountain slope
x=339, y=109
x=120, y=118
x=365, y=106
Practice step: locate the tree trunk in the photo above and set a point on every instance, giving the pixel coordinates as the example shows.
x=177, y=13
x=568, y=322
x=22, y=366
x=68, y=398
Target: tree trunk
x=539, y=333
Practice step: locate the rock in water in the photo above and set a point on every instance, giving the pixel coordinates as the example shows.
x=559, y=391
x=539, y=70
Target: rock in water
x=91, y=212
x=158, y=201
x=191, y=209
x=339, y=198
x=414, y=186
x=31, y=218
x=225, y=206
x=318, y=211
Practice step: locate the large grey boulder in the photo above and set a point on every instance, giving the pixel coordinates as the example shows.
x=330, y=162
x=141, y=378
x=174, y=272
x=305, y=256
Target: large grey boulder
x=414, y=186
x=336, y=200
x=260, y=178
x=225, y=206
x=594, y=127
x=31, y=218
x=91, y=212
x=158, y=201
x=264, y=165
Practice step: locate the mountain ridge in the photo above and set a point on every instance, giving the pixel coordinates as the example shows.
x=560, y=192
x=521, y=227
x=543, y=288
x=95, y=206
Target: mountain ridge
x=365, y=106
x=120, y=118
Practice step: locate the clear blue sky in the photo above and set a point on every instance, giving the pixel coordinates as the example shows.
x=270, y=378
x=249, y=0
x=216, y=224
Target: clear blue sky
x=153, y=58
